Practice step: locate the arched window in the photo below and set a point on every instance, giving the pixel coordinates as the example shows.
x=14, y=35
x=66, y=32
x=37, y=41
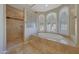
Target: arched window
x=64, y=21
x=41, y=23
x=51, y=22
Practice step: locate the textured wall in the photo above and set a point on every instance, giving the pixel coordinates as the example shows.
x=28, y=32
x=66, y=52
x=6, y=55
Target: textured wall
x=15, y=26
x=13, y=12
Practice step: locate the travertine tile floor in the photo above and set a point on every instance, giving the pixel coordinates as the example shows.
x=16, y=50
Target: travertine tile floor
x=36, y=45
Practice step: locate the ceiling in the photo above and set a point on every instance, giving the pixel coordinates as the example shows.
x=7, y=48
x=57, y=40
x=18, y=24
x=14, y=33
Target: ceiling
x=36, y=7
x=44, y=7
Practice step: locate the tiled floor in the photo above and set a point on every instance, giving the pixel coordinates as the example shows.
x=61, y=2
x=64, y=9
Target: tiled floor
x=36, y=45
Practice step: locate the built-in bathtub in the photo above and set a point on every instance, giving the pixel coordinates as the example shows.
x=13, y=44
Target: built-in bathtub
x=56, y=37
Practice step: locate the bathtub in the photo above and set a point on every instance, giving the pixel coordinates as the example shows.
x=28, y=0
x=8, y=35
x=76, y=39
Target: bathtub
x=56, y=37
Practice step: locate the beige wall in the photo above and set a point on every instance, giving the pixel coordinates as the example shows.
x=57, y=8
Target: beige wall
x=13, y=12
x=78, y=25
x=15, y=26
x=72, y=20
